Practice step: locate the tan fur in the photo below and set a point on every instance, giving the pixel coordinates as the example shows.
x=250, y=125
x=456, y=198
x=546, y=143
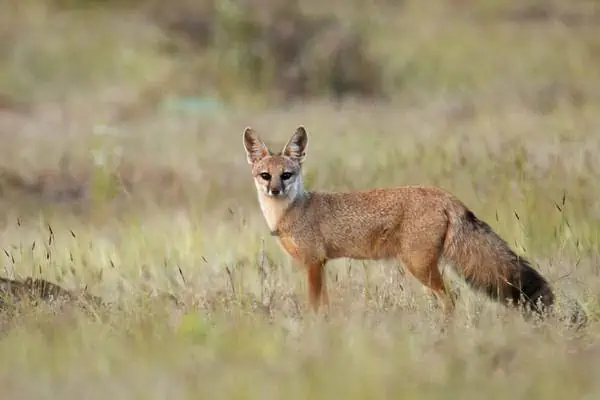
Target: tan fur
x=421, y=227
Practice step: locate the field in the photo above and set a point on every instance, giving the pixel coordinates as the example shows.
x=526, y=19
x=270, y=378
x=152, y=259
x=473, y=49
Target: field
x=122, y=173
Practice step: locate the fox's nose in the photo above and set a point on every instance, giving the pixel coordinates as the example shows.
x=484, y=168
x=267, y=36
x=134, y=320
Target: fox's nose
x=275, y=192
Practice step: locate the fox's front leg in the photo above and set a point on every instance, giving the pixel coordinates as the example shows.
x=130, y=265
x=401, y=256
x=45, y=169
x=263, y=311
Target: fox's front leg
x=317, y=288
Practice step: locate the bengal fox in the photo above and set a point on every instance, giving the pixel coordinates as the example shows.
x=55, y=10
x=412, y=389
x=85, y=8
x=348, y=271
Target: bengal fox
x=421, y=227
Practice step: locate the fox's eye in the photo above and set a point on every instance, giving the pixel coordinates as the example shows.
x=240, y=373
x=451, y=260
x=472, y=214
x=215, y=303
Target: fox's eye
x=286, y=175
x=266, y=176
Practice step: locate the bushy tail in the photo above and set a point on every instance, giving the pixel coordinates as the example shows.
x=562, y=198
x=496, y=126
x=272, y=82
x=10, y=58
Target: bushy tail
x=487, y=263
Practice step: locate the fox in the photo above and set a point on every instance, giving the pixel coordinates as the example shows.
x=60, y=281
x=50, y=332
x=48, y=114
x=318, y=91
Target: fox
x=421, y=227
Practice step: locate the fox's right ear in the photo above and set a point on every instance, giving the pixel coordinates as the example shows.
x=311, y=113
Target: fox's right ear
x=296, y=146
x=256, y=150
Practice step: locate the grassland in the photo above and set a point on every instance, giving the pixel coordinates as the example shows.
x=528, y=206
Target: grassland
x=107, y=185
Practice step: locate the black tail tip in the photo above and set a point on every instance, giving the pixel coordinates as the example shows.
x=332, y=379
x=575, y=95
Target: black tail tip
x=531, y=290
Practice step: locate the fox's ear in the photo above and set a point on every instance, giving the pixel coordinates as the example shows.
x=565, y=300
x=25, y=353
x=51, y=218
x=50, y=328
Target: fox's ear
x=296, y=147
x=256, y=150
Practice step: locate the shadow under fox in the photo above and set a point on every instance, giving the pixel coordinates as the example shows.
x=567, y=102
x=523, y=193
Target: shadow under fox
x=420, y=227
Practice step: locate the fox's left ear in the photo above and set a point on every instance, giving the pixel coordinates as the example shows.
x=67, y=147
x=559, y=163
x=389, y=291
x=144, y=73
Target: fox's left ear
x=256, y=149
x=296, y=147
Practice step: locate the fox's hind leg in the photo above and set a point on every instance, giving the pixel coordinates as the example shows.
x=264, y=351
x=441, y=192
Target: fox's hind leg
x=423, y=266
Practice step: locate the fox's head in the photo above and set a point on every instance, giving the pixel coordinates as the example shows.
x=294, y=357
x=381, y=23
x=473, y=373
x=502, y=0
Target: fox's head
x=277, y=175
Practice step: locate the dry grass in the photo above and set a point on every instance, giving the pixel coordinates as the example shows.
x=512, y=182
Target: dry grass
x=160, y=207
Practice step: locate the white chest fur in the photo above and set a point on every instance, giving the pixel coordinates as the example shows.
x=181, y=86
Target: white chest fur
x=272, y=209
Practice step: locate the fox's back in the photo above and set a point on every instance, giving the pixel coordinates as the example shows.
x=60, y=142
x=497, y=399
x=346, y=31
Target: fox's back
x=368, y=224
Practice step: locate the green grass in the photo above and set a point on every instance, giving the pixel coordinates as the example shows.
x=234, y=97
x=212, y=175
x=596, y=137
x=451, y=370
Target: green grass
x=503, y=114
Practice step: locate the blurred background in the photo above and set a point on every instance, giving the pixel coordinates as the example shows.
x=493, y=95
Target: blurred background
x=122, y=171
x=136, y=56
x=118, y=108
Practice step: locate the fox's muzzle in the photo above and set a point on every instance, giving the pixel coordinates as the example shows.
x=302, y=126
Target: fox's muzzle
x=275, y=188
